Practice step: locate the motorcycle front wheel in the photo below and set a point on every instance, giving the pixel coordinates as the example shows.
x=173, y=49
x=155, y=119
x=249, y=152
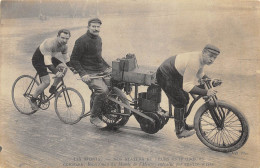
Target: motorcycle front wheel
x=230, y=136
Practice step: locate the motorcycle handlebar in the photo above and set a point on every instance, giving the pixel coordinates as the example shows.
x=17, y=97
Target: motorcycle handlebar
x=97, y=76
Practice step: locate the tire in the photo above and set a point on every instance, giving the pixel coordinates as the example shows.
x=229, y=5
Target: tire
x=69, y=115
x=235, y=130
x=20, y=100
x=114, y=120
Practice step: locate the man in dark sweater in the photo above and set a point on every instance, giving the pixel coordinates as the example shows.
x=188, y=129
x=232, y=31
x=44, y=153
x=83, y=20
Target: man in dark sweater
x=87, y=60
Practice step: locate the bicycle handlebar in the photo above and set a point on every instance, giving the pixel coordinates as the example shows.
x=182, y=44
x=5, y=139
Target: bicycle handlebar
x=210, y=83
x=63, y=70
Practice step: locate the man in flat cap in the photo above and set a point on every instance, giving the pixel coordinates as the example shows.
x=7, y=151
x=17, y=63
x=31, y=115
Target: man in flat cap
x=178, y=76
x=87, y=60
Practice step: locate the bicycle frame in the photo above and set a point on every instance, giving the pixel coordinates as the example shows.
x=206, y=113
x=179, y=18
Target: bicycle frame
x=217, y=113
x=218, y=116
x=31, y=85
x=42, y=98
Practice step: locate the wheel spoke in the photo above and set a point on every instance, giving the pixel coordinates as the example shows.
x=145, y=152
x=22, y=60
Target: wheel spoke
x=227, y=137
x=19, y=97
x=111, y=107
x=231, y=118
x=208, y=122
x=213, y=136
x=232, y=132
x=69, y=114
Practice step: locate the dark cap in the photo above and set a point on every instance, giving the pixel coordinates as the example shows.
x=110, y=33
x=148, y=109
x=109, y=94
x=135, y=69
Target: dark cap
x=211, y=48
x=94, y=20
x=66, y=31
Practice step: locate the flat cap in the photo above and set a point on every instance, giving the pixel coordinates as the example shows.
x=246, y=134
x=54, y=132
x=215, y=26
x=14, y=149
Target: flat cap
x=211, y=48
x=94, y=20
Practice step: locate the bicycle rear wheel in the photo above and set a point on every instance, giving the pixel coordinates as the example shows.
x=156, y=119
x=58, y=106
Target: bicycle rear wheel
x=70, y=106
x=22, y=90
x=231, y=136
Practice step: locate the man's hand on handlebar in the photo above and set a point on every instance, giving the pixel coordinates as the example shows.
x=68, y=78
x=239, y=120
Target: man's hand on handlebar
x=213, y=82
x=211, y=92
x=85, y=78
x=59, y=74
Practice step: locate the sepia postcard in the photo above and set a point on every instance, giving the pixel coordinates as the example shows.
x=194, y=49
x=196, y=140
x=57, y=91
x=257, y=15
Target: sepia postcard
x=134, y=34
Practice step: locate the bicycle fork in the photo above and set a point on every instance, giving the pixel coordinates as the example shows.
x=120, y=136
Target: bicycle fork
x=66, y=94
x=217, y=113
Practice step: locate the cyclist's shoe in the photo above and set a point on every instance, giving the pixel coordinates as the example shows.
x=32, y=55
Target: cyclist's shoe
x=187, y=126
x=34, y=105
x=97, y=122
x=185, y=133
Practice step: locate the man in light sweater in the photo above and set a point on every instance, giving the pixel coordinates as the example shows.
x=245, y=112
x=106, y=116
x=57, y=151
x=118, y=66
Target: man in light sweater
x=45, y=57
x=178, y=76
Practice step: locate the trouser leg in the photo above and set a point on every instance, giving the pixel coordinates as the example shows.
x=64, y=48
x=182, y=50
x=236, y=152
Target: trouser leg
x=100, y=92
x=97, y=104
x=180, y=129
x=178, y=120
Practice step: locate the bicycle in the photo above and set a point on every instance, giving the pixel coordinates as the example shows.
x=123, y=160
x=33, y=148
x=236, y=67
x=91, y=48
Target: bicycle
x=68, y=103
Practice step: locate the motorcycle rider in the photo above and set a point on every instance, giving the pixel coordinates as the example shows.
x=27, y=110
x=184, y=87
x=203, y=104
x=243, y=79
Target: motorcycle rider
x=178, y=76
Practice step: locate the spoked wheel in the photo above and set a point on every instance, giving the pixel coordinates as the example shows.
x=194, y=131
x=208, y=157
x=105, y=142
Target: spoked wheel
x=70, y=106
x=22, y=90
x=148, y=126
x=232, y=133
x=111, y=110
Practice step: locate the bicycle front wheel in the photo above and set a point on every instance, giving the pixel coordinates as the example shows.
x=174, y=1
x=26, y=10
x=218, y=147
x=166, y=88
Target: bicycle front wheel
x=231, y=135
x=70, y=106
x=22, y=90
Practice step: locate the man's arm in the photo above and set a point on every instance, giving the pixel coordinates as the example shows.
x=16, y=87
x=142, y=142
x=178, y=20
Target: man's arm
x=77, y=53
x=198, y=91
x=190, y=75
x=104, y=62
x=65, y=55
x=50, y=66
